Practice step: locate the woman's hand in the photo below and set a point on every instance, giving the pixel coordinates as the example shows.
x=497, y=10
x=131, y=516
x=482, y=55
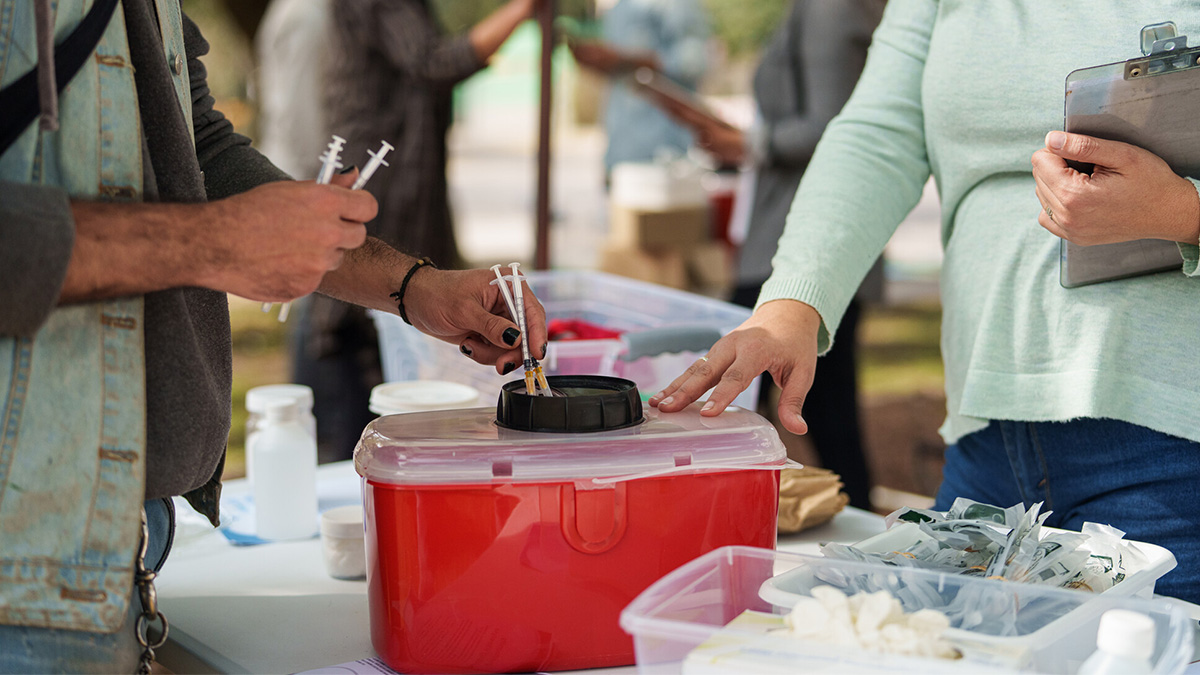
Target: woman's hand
x=726, y=143
x=780, y=338
x=1131, y=194
x=465, y=308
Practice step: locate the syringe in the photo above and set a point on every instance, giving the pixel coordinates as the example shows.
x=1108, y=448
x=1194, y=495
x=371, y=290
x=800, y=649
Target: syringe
x=372, y=165
x=535, y=379
x=332, y=160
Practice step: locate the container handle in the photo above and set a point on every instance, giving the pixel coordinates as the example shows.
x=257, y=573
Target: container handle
x=686, y=468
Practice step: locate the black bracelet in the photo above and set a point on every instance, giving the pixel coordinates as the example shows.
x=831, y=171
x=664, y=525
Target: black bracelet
x=398, y=296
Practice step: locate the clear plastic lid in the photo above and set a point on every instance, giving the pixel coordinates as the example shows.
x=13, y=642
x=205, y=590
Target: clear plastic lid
x=466, y=446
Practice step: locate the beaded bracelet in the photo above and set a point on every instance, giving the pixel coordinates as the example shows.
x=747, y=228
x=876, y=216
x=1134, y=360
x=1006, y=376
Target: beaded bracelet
x=398, y=296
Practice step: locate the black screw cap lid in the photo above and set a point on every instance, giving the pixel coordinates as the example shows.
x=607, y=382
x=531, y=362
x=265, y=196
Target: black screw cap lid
x=581, y=403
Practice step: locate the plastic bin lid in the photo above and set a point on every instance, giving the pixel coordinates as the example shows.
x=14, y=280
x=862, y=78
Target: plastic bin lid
x=391, y=398
x=467, y=446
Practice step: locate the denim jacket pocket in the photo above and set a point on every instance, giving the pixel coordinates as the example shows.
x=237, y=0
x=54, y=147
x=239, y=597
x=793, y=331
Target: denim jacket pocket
x=72, y=467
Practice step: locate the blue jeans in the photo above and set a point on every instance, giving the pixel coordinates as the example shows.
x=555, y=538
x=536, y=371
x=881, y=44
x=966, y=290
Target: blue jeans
x=43, y=650
x=1141, y=481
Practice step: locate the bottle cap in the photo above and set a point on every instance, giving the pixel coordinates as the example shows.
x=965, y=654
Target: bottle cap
x=581, y=403
x=1126, y=633
x=258, y=397
x=280, y=409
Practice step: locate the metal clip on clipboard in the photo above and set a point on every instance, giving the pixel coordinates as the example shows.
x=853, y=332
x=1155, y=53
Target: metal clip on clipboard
x=1149, y=101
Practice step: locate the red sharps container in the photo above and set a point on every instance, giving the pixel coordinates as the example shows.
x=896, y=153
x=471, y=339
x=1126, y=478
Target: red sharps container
x=509, y=540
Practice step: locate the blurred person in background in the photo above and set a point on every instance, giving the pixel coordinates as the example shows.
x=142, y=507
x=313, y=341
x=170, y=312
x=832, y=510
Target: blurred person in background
x=389, y=76
x=669, y=36
x=807, y=72
x=292, y=46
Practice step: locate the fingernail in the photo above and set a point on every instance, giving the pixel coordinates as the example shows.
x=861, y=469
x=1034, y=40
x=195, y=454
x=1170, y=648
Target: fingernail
x=1056, y=139
x=657, y=397
x=349, y=168
x=465, y=350
x=707, y=406
x=508, y=368
x=510, y=337
x=545, y=346
x=667, y=401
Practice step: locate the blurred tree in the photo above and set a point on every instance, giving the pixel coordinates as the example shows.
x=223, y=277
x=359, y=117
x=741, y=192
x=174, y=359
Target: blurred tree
x=459, y=15
x=743, y=26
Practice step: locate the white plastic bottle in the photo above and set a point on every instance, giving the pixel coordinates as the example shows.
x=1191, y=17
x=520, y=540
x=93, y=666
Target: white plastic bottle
x=257, y=399
x=285, y=474
x=1124, y=645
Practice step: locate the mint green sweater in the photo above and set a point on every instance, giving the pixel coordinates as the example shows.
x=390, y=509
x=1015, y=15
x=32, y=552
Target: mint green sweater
x=965, y=91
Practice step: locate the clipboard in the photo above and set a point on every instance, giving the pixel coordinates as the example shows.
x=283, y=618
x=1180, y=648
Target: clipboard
x=1151, y=102
x=674, y=99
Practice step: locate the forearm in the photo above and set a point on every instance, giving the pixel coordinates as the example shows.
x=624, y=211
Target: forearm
x=487, y=35
x=132, y=249
x=368, y=276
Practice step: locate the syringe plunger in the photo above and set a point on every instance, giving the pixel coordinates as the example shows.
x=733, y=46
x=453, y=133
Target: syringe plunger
x=372, y=164
x=331, y=159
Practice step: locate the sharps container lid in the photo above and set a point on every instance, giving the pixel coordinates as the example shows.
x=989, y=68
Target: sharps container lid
x=468, y=446
x=581, y=403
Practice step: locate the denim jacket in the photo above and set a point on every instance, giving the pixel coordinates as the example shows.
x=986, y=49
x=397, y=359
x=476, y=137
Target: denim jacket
x=73, y=395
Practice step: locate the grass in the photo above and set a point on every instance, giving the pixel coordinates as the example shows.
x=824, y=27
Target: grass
x=898, y=349
x=259, y=357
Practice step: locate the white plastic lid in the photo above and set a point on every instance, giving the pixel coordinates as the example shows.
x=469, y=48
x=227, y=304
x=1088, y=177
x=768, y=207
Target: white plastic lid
x=280, y=409
x=1126, y=633
x=343, y=522
x=466, y=446
x=391, y=398
x=258, y=397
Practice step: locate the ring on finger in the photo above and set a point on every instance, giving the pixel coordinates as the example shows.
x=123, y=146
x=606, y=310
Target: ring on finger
x=1050, y=215
x=704, y=359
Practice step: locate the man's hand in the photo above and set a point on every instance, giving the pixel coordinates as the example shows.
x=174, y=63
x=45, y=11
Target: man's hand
x=272, y=243
x=726, y=143
x=1131, y=194
x=465, y=308
x=779, y=338
x=280, y=239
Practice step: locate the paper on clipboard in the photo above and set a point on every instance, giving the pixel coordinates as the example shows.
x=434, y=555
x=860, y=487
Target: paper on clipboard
x=1150, y=102
x=674, y=99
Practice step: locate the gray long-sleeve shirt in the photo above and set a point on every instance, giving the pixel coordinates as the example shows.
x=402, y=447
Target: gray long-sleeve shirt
x=188, y=358
x=391, y=74
x=806, y=75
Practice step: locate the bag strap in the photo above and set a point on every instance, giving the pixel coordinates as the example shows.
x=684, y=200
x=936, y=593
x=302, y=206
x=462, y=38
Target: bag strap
x=19, y=100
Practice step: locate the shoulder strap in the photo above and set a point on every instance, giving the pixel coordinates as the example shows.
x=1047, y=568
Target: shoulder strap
x=19, y=100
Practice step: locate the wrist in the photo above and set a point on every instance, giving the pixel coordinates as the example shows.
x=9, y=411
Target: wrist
x=196, y=244
x=1190, y=229
x=402, y=295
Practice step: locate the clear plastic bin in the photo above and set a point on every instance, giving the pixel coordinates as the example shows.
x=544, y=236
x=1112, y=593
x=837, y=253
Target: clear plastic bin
x=665, y=331
x=681, y=623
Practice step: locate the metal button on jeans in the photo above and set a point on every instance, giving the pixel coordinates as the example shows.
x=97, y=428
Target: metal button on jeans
x=178, y=64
